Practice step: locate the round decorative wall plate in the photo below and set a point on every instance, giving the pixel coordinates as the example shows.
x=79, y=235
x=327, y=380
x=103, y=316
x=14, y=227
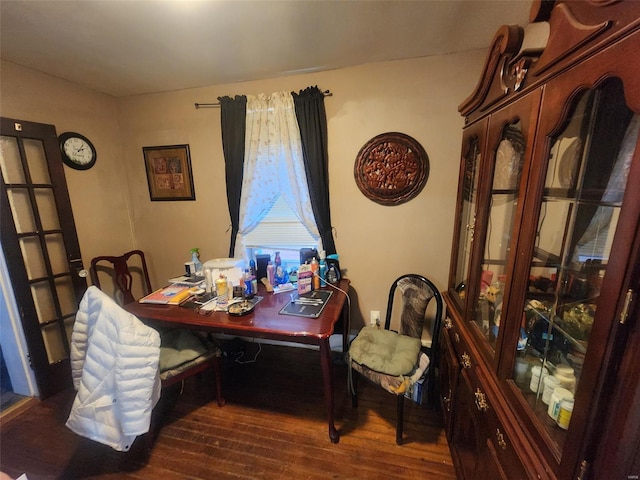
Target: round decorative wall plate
x=391, y=168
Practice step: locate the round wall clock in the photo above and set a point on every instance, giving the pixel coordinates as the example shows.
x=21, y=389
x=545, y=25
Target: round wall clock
x=391, y=168
x=77, y=151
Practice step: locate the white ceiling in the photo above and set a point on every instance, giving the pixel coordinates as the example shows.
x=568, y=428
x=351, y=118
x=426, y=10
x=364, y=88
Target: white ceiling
x=129, y=47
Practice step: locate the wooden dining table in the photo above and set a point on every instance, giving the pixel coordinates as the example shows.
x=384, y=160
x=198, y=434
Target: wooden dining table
x=266, y=322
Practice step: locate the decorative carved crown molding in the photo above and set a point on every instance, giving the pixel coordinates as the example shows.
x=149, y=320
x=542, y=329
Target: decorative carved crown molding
x=506, y=43
x=567, y=36
x=557, y=30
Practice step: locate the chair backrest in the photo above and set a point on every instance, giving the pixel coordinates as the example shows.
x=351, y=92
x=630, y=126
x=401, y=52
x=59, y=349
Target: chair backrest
x=416, y=293
x=121, y=269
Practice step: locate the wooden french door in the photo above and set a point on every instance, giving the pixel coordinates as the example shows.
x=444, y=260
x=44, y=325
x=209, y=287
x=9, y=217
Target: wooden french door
x=41, y=247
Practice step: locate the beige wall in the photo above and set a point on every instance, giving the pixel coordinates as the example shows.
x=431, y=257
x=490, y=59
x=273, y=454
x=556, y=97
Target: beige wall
x=376, y=244
x=99, y=196
x=418, y=97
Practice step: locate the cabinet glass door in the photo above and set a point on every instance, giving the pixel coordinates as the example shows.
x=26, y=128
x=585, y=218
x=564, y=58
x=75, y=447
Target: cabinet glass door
x=468, y=215
x=472, y=145
x=486, y=314
x=588, y=164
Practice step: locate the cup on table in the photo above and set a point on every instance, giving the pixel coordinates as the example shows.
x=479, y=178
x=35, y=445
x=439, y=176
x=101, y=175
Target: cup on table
x=189, y=268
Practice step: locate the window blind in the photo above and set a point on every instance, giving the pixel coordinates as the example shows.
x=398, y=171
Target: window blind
x=280, y=228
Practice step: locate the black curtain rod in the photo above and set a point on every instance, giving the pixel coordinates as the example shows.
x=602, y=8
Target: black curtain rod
x=326, y=93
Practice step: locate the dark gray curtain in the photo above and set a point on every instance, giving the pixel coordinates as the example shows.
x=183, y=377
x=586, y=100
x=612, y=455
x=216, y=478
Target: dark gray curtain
x=312, y=120
x=232, y=118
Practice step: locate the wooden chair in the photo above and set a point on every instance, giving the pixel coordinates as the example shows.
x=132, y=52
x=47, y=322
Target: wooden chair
x=122, y=270
x=419, y=360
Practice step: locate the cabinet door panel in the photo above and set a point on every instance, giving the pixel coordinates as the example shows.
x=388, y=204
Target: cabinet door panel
x=581, y=218
x=492, y=467
x=473, y=144
x=448, y=381
x=468, y=441
x=501, y=446
x=509, y=142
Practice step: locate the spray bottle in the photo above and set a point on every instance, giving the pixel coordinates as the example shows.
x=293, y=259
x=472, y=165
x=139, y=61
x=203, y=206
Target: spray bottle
x=195, y=258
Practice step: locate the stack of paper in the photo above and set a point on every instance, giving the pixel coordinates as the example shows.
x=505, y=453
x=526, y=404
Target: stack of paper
x=171, y=295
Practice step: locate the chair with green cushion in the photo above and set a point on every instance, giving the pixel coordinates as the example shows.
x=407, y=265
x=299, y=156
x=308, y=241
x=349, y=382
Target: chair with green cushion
x=397, y=360
x=183, y=353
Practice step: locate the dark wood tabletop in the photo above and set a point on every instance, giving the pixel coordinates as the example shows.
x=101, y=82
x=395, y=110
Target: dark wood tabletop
x=264, y=322
x=267, y=322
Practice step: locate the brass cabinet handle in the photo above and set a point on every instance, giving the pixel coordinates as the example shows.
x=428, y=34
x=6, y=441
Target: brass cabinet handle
x=448, y=324
x=501, y=440
x=481, y=401
x=465, y=360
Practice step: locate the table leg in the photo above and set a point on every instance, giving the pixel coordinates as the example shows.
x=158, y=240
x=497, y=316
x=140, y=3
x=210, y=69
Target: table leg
x=345, y=328
x=325, y=364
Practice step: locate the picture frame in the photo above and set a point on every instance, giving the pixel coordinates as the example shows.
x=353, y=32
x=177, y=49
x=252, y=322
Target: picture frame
x=169, y=174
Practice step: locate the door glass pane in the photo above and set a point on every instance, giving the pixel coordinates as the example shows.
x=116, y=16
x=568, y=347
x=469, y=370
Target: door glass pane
x=54, y=343
x=21, y=209
x=37, y=161
x=486, y=315
x=586, y=178
x=47, y=208
x=57, y=254
x=10, y=160
x=66, y=295
x=468, y=216
x=32, y=256
x=43, y=300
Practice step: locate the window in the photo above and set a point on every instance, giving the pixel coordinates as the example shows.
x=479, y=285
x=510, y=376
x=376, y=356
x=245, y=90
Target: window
x=275, y=206
x=280, y=231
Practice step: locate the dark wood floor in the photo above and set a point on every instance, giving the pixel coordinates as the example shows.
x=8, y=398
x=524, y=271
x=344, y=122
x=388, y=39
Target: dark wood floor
x=273, y=426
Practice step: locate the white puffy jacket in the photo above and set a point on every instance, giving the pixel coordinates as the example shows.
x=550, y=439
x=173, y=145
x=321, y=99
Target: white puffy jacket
x=114, y=364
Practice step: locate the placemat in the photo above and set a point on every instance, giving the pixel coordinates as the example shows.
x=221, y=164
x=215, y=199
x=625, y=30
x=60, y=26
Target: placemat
x=308, y=304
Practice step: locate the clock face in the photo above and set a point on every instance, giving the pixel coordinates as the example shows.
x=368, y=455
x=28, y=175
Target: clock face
x=77, y=151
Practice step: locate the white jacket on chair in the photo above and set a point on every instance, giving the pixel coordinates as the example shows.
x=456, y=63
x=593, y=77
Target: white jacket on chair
x=114, y=364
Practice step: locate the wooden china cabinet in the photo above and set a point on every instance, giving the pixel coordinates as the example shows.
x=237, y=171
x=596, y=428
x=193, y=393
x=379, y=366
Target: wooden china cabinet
x=539, y=374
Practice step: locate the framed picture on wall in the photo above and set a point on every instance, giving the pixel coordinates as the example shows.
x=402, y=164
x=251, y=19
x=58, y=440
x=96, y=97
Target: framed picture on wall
x=169, y=172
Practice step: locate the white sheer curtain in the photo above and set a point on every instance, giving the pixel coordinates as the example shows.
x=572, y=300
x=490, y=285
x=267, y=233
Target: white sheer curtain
x=273, y=164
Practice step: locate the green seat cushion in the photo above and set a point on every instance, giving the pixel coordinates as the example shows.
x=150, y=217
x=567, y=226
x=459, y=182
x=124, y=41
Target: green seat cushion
x=178, y=347
x=385, y=351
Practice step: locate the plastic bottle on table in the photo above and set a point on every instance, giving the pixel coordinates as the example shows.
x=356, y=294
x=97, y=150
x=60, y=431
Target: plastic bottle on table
x=323, y=267
x=332, y=275
x=195, y=258
x=222, y=290
x=248, y=288
x=271, y=273
x=315, y=267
